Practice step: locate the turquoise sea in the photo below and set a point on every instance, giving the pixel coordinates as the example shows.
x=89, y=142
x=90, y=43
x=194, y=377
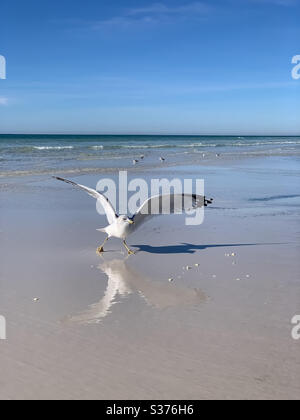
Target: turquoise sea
x=22, y=155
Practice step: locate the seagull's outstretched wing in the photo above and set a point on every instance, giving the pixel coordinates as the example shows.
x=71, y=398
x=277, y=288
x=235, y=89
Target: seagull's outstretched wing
x=168, y=204
x=108, y=208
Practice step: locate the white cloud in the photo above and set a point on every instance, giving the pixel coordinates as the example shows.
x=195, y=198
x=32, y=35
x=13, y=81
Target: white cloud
x=3, y=101
x=162, y=9
x=156, y=13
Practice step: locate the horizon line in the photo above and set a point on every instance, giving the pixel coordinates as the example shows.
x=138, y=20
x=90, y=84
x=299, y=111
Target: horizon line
x=150, y=134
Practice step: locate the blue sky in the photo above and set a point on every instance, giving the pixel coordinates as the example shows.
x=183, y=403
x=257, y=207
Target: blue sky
x=182, y=67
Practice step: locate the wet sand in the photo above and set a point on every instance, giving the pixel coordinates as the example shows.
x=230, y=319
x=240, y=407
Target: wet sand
x=114, y=327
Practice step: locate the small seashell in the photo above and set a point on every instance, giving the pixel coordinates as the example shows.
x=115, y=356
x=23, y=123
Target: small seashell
x=233, y=254
x=248, y=276
x=188, y=267
x=170, y=279
x=214, y=276
x=36, y=299
x=238, y=279
x=197, y=265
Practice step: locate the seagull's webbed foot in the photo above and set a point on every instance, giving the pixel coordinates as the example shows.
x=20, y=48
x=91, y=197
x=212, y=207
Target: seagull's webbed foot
x=100, y=249
x=129, y=251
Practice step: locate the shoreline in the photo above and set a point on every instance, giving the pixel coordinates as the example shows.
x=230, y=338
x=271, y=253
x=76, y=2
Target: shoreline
x=48, y=155
x=212, y=161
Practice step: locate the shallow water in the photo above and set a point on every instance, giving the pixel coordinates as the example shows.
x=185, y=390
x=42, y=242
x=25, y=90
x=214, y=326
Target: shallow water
x=22, y=155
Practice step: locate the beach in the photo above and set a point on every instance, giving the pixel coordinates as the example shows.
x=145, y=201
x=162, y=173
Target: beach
x=199, y=312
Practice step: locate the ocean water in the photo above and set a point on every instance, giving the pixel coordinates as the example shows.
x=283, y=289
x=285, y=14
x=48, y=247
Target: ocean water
x=23, y=155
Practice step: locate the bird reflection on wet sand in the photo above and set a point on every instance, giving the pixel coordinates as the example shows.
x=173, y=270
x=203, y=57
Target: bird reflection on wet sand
x=123, y=280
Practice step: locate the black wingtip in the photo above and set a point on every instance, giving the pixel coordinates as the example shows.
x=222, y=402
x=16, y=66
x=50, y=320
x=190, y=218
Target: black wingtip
x=208, y=201
x=65, y=180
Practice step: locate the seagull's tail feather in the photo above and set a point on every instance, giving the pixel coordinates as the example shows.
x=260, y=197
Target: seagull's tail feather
x=102, y=230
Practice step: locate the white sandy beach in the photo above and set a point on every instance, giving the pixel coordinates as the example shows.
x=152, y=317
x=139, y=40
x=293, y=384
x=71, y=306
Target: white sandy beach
x=117, y=328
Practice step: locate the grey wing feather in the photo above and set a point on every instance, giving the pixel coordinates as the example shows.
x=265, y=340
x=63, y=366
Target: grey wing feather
x=168, y=204
x=109, y=210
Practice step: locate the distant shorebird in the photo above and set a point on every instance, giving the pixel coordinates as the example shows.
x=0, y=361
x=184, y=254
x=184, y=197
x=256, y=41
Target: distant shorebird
x=162, y=159
x=122, y=226
x=142, y=157
x=135, y=161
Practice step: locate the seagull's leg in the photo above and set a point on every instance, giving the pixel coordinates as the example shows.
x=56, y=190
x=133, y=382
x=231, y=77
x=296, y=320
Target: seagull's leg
x=130, y=252
x=101, y=249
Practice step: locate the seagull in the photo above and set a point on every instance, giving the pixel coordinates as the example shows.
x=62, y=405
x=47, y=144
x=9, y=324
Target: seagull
x=142, y=157
x=120, y=226
x=135, y=161
x=162, y=159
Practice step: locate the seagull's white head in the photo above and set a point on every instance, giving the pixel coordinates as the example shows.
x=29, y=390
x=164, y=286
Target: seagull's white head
x=124, y=219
